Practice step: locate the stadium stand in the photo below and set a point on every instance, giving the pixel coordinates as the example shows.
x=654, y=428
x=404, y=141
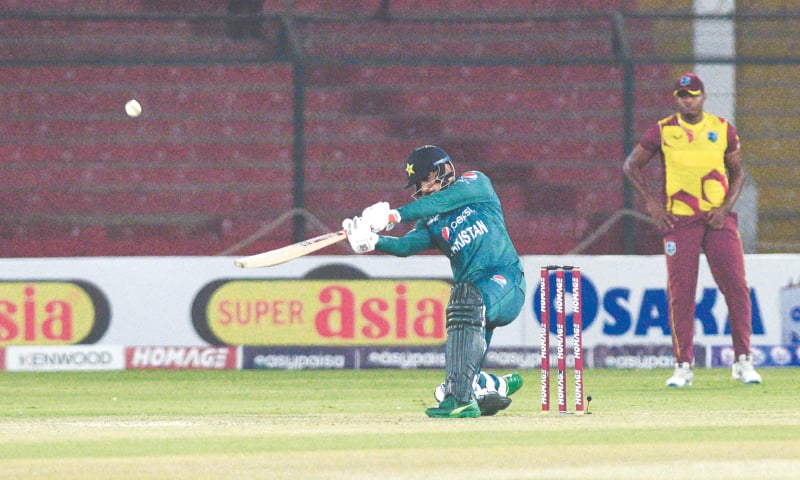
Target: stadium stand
x=192, y=165
x=211, y=159
x=768, y=112
x=211, y=156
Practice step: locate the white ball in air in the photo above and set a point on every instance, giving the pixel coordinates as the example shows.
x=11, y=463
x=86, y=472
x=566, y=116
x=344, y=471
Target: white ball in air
x=133, y=109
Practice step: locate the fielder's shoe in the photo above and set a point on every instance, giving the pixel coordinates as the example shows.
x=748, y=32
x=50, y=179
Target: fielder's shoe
x=452, y=408
x=492, y=402
x=682, y=377
x=513, y=383
x=743, y=370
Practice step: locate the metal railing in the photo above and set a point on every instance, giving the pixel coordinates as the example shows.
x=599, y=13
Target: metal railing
x=291, y=40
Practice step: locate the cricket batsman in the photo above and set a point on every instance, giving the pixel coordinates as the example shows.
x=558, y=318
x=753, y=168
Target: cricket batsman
x=462, y=217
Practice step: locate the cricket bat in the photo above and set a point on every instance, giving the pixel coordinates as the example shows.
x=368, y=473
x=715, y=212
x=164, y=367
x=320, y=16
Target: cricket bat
x=290, y=252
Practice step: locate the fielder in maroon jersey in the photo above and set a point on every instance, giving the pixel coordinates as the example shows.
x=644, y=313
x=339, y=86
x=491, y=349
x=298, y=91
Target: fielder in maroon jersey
x=703, y=178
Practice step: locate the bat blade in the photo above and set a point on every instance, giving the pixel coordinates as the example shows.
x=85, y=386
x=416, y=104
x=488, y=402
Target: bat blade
x=290, y=252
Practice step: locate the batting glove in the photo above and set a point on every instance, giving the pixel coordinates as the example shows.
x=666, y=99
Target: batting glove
x=380, y=217
x=361, y=238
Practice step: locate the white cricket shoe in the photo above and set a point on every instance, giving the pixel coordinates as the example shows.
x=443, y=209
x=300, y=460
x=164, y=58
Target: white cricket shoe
x=682, y=376
x=743, y=370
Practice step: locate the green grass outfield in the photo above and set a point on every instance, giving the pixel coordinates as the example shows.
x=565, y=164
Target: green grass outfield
x=371, y=425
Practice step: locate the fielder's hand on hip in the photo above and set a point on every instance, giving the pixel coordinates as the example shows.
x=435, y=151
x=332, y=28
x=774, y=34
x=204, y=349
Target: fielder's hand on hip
x=379, y=217
x=361, y=238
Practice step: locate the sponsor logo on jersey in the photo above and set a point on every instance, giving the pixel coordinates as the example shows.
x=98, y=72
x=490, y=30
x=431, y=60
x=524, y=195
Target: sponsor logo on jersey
x=461, y=218
x=469, y=177
x=455, y=224
x=500, y=280
x=713, y=136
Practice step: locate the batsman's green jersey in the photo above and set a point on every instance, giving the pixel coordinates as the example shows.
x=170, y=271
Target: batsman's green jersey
x=464, y=221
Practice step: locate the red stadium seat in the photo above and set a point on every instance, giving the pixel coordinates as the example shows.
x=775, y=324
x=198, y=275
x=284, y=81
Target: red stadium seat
x=211, y=159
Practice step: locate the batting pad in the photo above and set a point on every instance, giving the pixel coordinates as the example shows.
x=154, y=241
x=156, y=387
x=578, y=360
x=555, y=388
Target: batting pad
x=465, y=343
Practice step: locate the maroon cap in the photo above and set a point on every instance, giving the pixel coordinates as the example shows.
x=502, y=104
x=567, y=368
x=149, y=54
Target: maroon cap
x=690, y=83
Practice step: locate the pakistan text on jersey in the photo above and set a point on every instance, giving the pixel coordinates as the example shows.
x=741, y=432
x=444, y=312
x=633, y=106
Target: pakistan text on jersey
x=467, y=235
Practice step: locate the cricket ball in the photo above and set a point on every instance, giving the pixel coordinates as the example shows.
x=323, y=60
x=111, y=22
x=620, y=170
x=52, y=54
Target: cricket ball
x=133, y=109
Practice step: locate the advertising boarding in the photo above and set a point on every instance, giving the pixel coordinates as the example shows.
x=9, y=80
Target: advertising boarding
x=368, y=311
